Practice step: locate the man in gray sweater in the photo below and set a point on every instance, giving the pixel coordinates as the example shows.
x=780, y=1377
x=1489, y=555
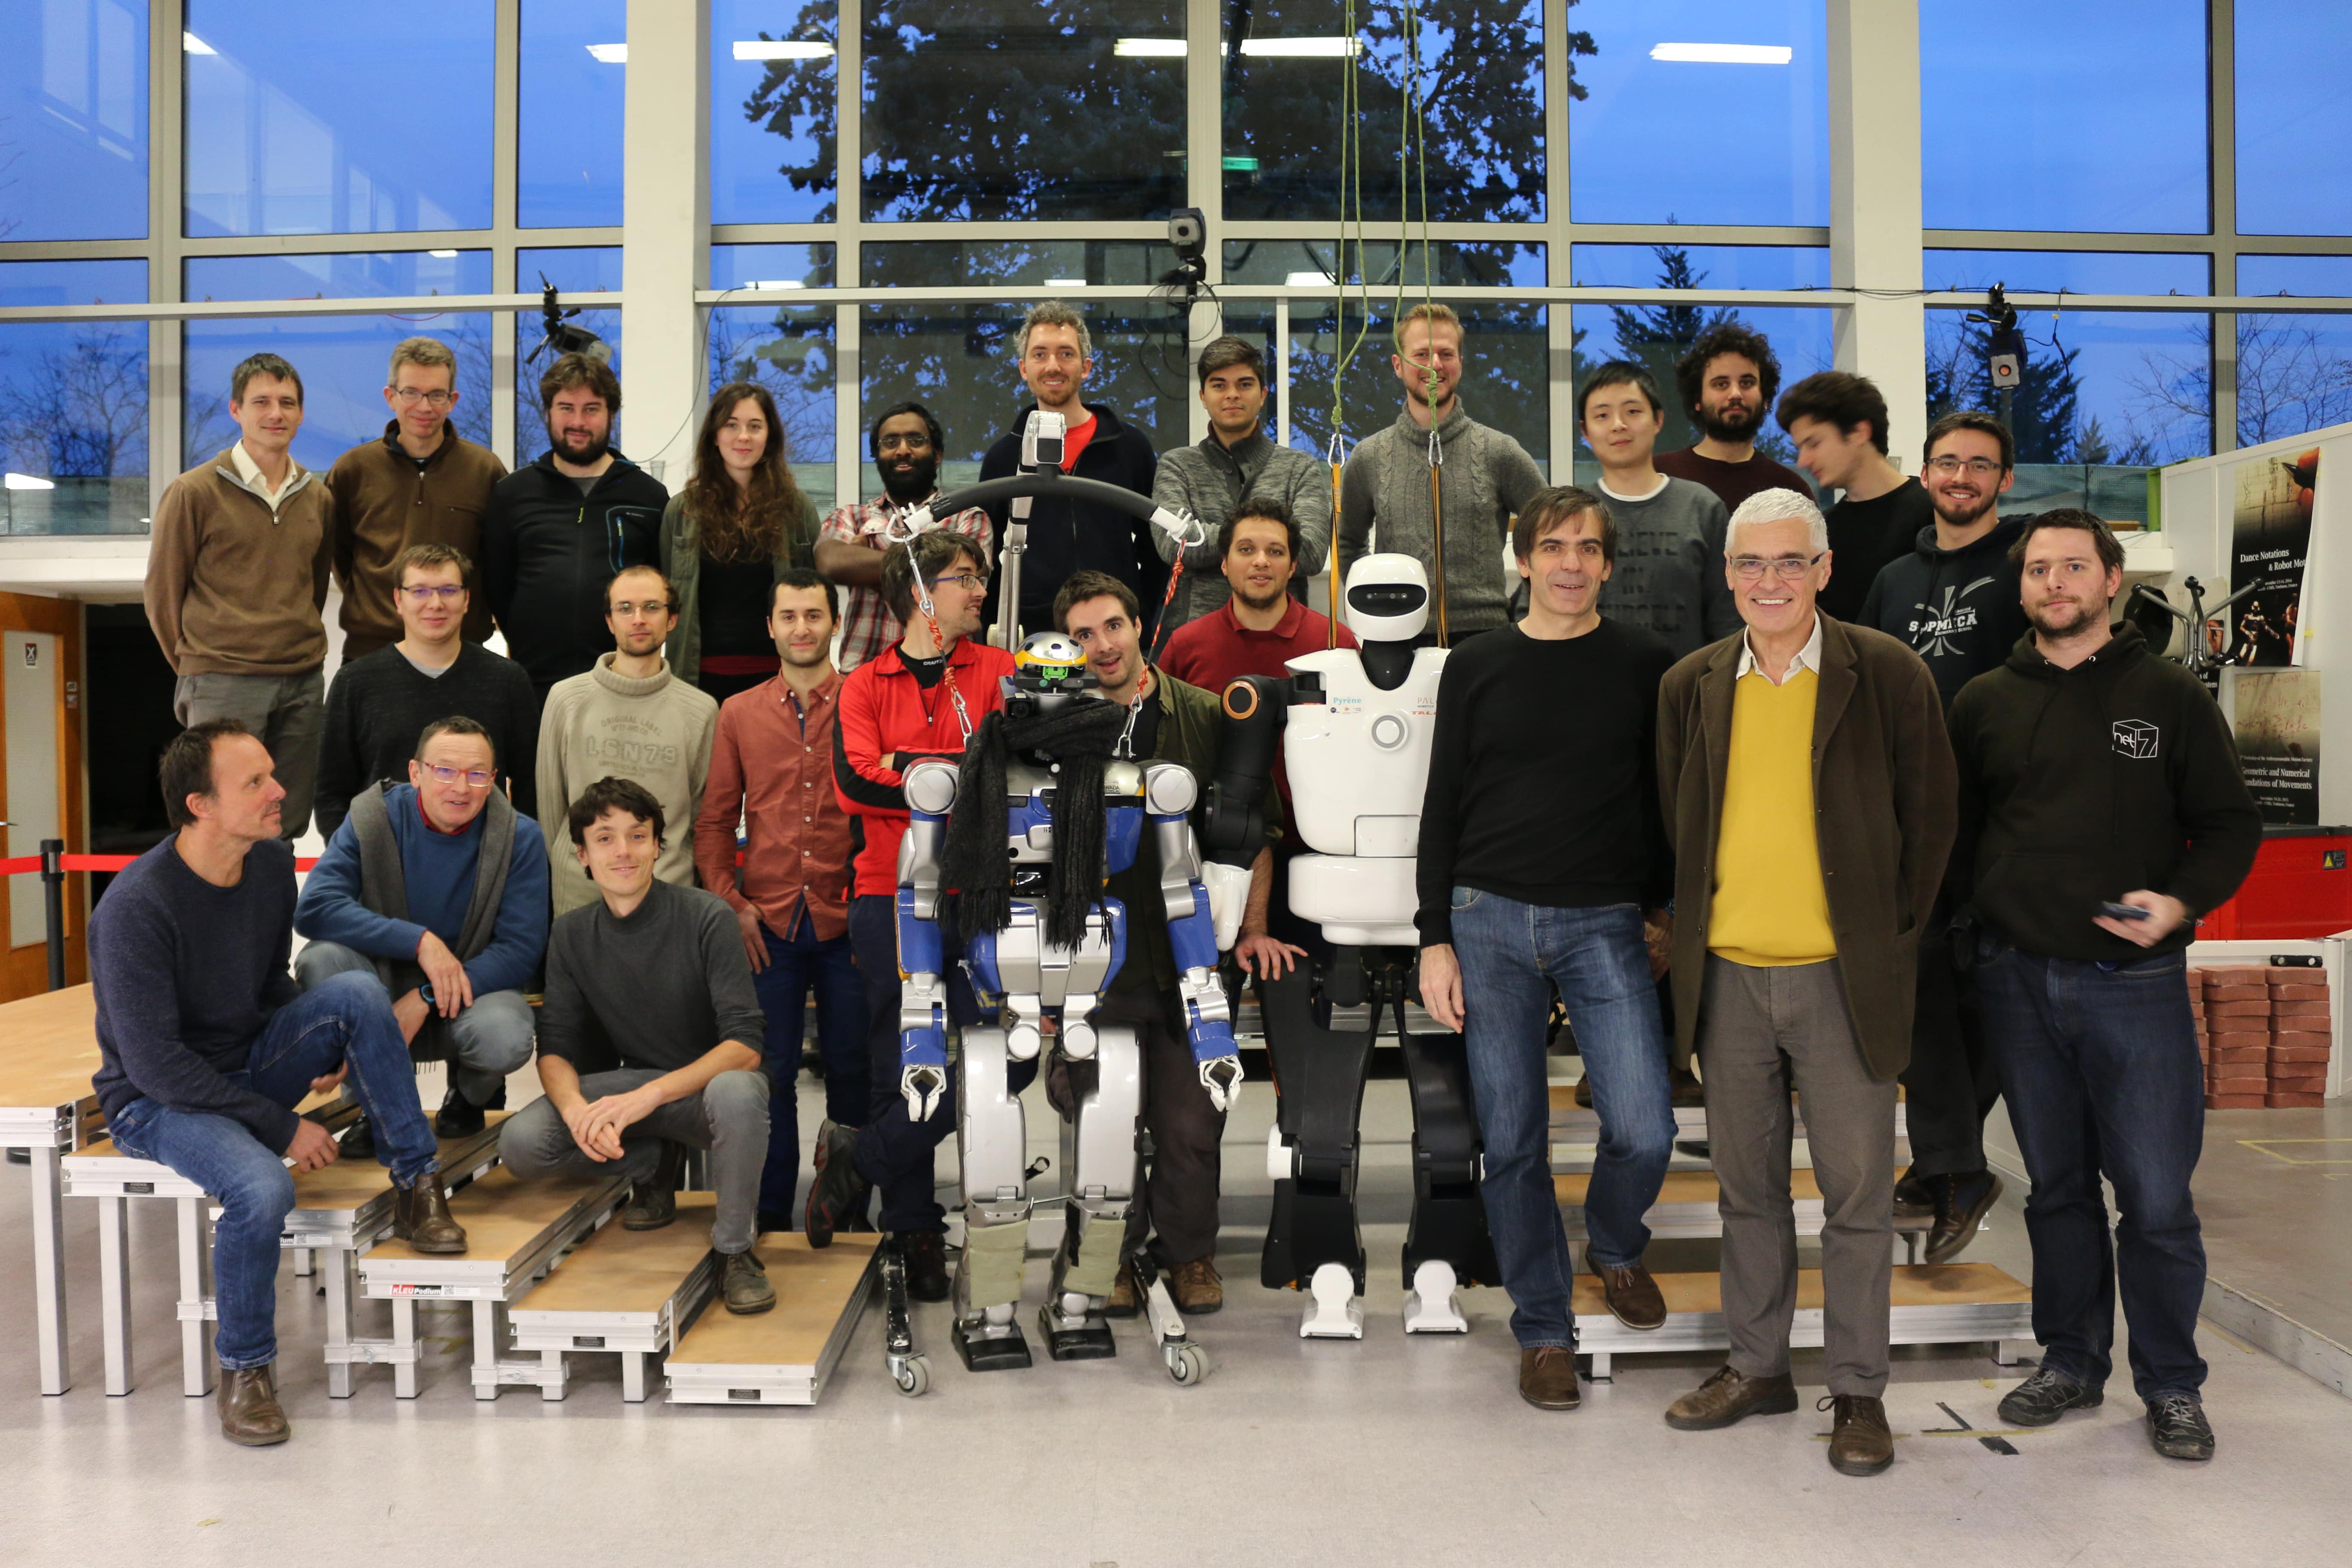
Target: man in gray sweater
x=1235, y=464
x=1669, y=572
x=1484, y=478
x=655, y=974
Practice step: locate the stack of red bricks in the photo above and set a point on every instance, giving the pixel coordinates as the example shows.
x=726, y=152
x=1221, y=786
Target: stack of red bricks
x=2262, y=1031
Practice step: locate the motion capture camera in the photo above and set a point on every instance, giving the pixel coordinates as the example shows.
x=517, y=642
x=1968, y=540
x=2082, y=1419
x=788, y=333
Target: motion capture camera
x=1041, y=440
x=560, y=336
x=2006, y=361
x=1188, y=234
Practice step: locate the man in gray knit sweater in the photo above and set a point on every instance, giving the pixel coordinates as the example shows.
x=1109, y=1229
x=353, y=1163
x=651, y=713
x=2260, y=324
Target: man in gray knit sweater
x=1484, y=480
x=1668, y=575
x=1235, y=463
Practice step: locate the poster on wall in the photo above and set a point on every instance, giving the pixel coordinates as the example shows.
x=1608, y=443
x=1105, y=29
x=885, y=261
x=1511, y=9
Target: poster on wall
x=2269, y=542
x=2277, y=720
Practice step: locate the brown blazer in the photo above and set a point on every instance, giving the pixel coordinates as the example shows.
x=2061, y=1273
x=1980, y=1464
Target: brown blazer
x=1885, y=796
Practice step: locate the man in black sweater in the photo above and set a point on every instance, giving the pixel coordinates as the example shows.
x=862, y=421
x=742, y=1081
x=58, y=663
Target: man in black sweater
x=1541, y=846
x=1056, y=355
x=381, y=702
x=205, y=1045
x=562, y=528
x=1838, y=421
x=2102, y=812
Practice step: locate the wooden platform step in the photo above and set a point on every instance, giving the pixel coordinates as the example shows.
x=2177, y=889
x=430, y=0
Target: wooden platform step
x=1956, y=1303
x=625, y=1292
x=786, y=1355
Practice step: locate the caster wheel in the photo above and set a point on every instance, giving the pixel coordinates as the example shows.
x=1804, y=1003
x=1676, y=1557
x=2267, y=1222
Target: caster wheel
x=1188, y=1365
x=914, y=1376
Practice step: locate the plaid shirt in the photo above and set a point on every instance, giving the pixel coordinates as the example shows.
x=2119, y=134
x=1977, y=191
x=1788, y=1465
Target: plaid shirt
x=871, y=626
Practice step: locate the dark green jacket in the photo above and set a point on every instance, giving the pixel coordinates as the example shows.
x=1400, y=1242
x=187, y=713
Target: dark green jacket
x=681, y=562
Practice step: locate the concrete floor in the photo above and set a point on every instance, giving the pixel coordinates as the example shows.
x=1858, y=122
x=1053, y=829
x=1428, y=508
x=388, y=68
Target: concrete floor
x=1379, y=1452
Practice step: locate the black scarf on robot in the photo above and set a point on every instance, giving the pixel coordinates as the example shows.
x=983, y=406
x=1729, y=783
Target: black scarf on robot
x=1080, y=737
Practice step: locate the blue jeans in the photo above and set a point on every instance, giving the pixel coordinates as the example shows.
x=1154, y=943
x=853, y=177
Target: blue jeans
x=346, y=1019
x=797, y=965
x=1511, y=955
x=2099, y=1067
x=485, y=1041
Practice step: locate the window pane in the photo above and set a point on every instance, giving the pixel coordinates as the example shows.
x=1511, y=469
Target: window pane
x=1052, y=263
x=73, y=119
x=1284, y=110
x=2294, y=372
x=772, y=265
x=575, y=61
x=1738, y=134
x=341, y=359
x=1007, y=108
x=2086, y=116
x=1505, y=362
x=338, y=119
x=1311, y=262
x=2295, y=120
x=73, y=402
x=788, y=349
x=2133, y=389
x=580, y=270
x=772, y=76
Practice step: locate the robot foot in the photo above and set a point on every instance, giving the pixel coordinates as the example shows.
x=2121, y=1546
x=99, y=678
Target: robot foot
x=1431, y=1307
x=1076, y=1336
x=990, y=1347
x=1334, y=1315
x=908, y=1367
x=1186, y=1362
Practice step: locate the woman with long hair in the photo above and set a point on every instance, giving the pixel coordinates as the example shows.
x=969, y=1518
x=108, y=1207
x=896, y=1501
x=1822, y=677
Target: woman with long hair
x=739, y=522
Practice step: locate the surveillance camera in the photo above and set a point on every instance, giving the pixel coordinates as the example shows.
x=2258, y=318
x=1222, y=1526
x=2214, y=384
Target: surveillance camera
x=1188, y=232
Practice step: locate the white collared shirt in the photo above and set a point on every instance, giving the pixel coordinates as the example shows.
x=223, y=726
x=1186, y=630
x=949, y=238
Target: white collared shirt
x=1808, y=657
x=250, y=472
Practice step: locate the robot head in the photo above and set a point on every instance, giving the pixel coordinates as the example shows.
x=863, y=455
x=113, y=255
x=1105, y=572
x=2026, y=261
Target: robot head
x=1049, y=670
x=1388, y=599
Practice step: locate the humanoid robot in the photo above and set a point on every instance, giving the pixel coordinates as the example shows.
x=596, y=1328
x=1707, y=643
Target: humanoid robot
x=1357, y=729
x=1044, y=970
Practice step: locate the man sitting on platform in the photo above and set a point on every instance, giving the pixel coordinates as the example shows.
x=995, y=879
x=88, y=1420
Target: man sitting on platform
x=437, y=890
x=205, y=1045
x=658, y=972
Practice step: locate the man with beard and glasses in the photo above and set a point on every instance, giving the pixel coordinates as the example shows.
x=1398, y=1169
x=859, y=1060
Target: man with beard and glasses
x=1838, y=421
x=560, y=530
x=906, y=443
x=1727, y=382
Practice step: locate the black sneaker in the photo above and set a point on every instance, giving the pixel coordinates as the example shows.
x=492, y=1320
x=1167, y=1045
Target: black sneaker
x=652, y=1203
x=770, y=1223
x=837, y=1196
x=461, y=1118
x=2176, y=1428
x=1915, y=1197
x=2041, y=1399
x=926, y=1252
x=359, y=1140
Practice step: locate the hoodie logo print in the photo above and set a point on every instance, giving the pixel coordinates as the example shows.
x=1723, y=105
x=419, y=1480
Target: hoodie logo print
x=2136, y=739
x=1933, y=633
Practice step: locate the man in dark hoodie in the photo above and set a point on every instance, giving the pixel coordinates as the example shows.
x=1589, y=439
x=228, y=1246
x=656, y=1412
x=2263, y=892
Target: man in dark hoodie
x=2102, y=812
x=1056, y=355
x=1953, y=600
x=560, y=529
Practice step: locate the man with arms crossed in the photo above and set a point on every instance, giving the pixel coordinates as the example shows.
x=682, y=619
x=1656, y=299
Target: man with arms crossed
x=907, y=443
x=1519, y=895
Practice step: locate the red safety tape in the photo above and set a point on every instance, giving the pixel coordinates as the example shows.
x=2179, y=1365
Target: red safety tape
x=24, y=864
x=20, y=865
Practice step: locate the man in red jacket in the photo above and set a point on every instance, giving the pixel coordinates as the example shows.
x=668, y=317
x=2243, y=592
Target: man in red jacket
x=920, y=698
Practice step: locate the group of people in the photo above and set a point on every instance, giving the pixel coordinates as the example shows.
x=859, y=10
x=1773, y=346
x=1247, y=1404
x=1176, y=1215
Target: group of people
x=1638, y=740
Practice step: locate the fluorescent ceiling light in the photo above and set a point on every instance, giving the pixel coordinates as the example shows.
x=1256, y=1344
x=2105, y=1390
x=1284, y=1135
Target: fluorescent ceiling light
x=778, y=283
x=1725, y=54
x=1065, y=282
x=444, y=255
x=611, y=54
x=195, y=45
x=29, y=482
x=1166, y=49
x=792, y=50
x=1309, y=281
x=1328, y=48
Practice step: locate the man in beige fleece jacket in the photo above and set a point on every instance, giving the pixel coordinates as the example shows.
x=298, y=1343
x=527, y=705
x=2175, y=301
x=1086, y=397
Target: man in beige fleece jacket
x=627, y=718
x=237, y=574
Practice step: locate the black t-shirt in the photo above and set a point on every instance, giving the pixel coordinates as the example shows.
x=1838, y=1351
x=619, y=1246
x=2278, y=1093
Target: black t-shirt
x=926, y=671
x=1145, y=739
x=733, y=597
x=1865, y=535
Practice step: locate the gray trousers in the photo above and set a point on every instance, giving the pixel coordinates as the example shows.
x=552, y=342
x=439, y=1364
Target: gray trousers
x=1761, y=1030
x=729, y=1118
x=287, y=713
x=487, y=1041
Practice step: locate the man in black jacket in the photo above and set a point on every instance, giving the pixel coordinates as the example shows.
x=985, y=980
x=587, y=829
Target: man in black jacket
x=2102, y=812
x=1056, y=356
x=1954, y=601
x=560, y=530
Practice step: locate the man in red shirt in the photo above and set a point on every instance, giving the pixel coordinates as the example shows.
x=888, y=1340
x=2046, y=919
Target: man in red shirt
x=770, y=769
x=920, y=698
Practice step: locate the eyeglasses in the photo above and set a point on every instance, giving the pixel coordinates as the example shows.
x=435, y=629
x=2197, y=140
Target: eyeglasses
x=625, y=609
x=408, y=395
x=476, y=778
x=419, y=593
x=964, y=580
x=1978, y=467
x=1787, y=568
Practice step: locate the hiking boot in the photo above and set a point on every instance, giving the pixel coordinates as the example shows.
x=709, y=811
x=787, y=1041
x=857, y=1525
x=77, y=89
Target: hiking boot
x=1633, y=1297
x=461, y=1118
x=2041, y=1399
x=926, y=1253
x=1860, y=1443
x=1967, y=1200
x=744, y=1283
x=249, y=1412
x=1198, y=1287
x=838, y=1195
x=2176, y=1428
x=421, y=1217
x=1731, y=1395
x=652, y=1203
x=1548, y=1378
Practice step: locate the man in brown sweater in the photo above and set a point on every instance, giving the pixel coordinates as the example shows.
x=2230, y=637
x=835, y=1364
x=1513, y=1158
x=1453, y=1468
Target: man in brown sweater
x=237, y=574
x=422, y=484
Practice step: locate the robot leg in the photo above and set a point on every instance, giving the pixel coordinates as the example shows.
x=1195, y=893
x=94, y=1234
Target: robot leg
x=993, y=1139
x=1446, y=1243
x=910, y=1368
x=1312, y=1241
x=1098, y=1175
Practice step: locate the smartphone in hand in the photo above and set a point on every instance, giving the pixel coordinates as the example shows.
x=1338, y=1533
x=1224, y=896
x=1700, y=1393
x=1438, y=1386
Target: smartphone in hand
x=2116, y=912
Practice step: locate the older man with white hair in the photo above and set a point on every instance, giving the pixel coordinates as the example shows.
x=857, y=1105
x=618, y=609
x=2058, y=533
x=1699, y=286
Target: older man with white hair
x=1809, y=790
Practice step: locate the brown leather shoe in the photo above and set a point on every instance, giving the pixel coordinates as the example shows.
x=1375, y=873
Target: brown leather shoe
x=421, y=1217
x=1689, y=1094
x=1728, y=1397
x=249, y=1412
x=1966, y=1201
x=1860, y=1443
x=1548, y=1378
x=1124, y=1298
x=1633, y=1297
x=1198, y=1287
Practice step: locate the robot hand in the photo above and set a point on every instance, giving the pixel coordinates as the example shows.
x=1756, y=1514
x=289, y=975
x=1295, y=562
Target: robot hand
x=1189, y=532
x=921, y=1087
x=1222, y=1076
x=903, y=528
x=923, y=1046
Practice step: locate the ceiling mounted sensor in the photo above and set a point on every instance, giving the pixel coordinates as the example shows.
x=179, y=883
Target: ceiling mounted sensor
x=1724, y=54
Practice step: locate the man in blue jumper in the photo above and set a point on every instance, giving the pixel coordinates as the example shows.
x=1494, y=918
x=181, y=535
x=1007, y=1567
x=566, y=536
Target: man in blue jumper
x=207, y=1045
x=437, y=892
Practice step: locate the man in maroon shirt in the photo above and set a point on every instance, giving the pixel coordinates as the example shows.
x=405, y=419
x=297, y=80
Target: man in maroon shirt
x=771, y=770
x=1727, y=381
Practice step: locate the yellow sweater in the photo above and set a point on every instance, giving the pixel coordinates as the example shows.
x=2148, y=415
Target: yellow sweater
x=1769, y=906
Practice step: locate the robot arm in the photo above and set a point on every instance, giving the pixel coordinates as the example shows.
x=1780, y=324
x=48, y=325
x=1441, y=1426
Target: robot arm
x=1234, y=831
x=923, y=993
x=1169, y=794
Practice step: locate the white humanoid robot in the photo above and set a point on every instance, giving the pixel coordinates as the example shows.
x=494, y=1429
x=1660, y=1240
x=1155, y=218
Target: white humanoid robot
x=1356, y=743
